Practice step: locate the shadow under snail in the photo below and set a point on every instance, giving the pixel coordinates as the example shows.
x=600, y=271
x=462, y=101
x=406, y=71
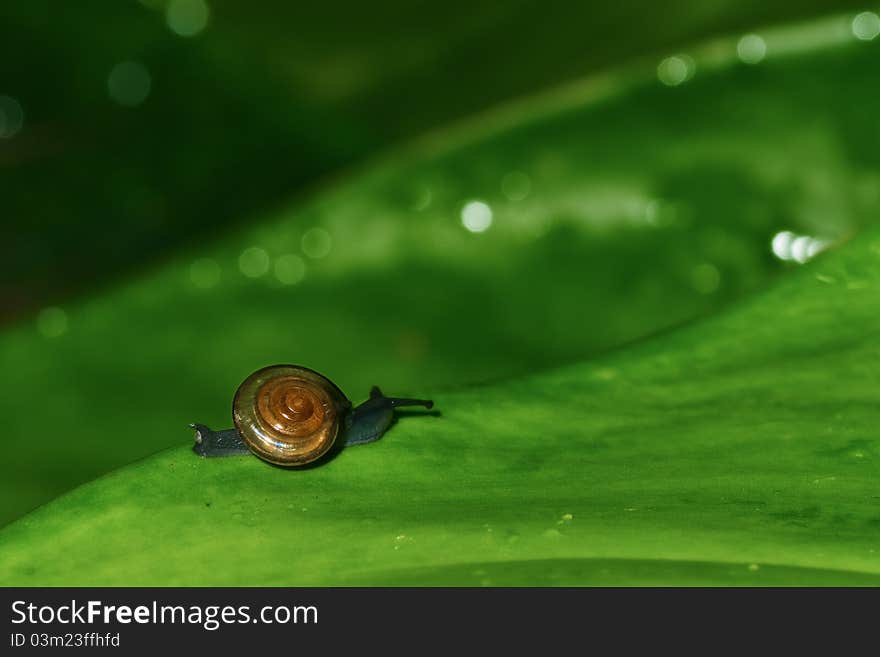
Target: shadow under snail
x=290, y=415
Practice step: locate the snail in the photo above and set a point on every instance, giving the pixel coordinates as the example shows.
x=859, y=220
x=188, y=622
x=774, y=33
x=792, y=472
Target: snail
x=290, y=415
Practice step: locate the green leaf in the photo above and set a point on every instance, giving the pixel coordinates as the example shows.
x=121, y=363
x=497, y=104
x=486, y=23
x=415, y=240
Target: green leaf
x=736, y=449
x=742, y=450
x=642, y=207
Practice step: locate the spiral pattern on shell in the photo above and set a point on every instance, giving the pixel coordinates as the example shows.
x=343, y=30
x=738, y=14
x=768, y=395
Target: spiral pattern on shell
x=289, y=415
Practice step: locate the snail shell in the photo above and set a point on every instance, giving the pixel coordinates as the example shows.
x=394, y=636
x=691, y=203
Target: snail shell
x=289, y=415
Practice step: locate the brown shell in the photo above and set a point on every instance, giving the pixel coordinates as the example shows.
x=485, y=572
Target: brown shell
x=289, y=415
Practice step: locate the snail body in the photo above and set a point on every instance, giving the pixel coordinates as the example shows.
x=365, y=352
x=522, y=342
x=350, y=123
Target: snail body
x=290, y=415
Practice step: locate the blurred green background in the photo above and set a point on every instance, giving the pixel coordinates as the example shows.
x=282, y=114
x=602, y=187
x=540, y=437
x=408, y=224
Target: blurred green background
x=218, y=110
x=426, y=196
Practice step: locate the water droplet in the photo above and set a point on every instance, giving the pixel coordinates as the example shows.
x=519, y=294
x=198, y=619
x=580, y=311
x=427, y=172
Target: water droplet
x=605, y=374
x=567, y=517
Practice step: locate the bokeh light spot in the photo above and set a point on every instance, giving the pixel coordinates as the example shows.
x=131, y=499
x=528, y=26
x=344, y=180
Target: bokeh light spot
x=187, y=18
x=11, y=117
x=476, y=216
x=52, y=322
x=866, y=26
x=781, y=244
x=129, y=83
x=316, y=243
x=290, y=269
x=516, y=185
x=253, y=262
x=751, y=49
x=815, y=248
x=799, y=248
x=204, y=273
x=675, y=70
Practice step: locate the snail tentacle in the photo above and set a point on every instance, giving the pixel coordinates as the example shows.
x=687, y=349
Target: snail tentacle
x=371, y=419
x=227, y=442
